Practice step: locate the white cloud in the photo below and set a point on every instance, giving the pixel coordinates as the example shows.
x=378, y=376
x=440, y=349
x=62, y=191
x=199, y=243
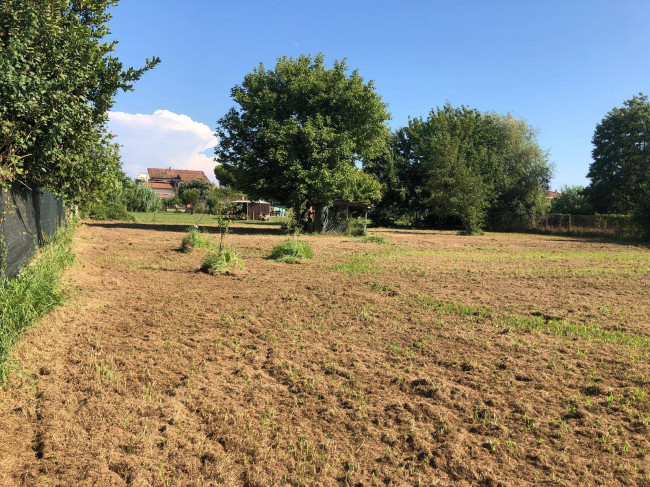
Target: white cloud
x=164, y=139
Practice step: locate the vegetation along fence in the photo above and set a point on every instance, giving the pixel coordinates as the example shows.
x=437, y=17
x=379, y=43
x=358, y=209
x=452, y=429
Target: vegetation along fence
x=27, y=218
x=617, y=226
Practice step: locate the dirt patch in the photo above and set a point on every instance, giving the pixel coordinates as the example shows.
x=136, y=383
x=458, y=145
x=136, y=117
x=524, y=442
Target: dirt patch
x=371, y=364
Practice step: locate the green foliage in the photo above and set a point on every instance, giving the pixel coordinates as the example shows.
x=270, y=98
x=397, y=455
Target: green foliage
x=290, y=224
x=191, y=197
x=119, y=199
x=620, y=171
x=201, y=186
x=354, y=228
x=299, y=131
x=221, y=261
x=573, y=200
x=194, y=239
x=459, y=165
x=139, y=197
x=375, y=239
x=107, y=210
x=291, y=251
x=221, y=197
x=58, y=82
x=34, y=291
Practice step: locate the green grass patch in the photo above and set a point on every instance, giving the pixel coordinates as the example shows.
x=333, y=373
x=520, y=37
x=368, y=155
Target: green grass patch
x=451, y=308
x=194, y=239
x=291, y=251
x=587, y=331
x=374, y=239
x=36, y=290
x=360, y=264
x=219, y=262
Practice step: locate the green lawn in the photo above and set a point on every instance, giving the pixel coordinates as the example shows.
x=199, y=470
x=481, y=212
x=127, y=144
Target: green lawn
x=188, y=219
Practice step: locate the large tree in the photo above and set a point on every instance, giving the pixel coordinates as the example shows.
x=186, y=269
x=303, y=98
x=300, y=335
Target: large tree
x=459, y=165
x=58, y=82
x=620, y=171
x=302, y=131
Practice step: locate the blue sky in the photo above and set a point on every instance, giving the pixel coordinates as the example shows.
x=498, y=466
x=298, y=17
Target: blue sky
x=560, y=65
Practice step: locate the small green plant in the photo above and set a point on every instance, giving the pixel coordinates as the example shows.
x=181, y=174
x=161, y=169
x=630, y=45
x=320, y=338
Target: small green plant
x=291, y=251
x=374, y=239
x=194, y=239
x=221, y=261
x=224, y=219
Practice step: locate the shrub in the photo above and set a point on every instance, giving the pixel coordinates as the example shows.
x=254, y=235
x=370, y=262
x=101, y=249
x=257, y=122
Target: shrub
x=34, y=291
x=221, y=261
x=107, y=210
x=140, y=197
x=194, y=239
x=292, y=250
x=354, y=228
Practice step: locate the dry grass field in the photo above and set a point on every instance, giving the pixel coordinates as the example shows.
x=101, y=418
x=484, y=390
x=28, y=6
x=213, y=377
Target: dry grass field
x=432, y=359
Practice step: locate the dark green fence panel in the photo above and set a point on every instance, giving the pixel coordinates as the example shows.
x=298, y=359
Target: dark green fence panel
x=27, y=218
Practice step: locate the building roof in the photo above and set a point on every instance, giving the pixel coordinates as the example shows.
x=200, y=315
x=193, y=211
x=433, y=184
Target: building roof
x=159, y=185
x=553, y=194
x=184, y=175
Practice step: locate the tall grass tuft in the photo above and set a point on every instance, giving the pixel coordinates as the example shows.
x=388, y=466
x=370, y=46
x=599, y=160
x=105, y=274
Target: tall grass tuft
x=291, y=251
x=221, y=261
x=35, y=291
x=194, y=239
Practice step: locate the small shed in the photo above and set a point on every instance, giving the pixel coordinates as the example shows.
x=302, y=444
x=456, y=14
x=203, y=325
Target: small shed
x=254, y=210
x=331, y=217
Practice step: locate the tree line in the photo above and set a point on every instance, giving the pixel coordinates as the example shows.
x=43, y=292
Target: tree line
x=299, y=132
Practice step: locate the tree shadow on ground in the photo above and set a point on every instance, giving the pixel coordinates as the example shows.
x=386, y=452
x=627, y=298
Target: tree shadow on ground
x=175, y=227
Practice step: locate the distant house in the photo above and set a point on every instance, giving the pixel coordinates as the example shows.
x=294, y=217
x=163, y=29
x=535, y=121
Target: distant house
x=165, y=181
x=552, y=194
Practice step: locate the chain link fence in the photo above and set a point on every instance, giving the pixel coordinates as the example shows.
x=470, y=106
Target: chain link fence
x=615, y=226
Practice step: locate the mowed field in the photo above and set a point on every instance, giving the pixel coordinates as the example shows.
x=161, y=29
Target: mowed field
x=434, y=359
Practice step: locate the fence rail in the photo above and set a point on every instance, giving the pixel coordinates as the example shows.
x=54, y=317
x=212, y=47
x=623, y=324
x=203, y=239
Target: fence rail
x=27, y=217
x=617, y=226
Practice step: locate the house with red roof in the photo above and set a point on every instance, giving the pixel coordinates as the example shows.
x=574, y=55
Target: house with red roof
x=165, y=181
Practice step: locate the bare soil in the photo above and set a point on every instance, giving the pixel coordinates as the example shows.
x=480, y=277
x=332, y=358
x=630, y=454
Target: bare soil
x=371, y=364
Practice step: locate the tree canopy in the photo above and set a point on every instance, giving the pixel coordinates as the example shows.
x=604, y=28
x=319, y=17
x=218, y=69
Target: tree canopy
x=458, y=165
x=573, y=200
x=620, y=171
x=302, y=131
x=58, y=82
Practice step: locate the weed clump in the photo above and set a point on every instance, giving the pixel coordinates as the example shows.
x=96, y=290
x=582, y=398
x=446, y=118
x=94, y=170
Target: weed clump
x=374, y=239
x=221, y=261
x=291, y=251
x=36, y=290
x=194, y=239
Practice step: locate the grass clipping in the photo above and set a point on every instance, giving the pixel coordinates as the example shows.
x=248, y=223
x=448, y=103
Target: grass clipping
x=35, y=291
x=221, y=262
x=292, y=251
